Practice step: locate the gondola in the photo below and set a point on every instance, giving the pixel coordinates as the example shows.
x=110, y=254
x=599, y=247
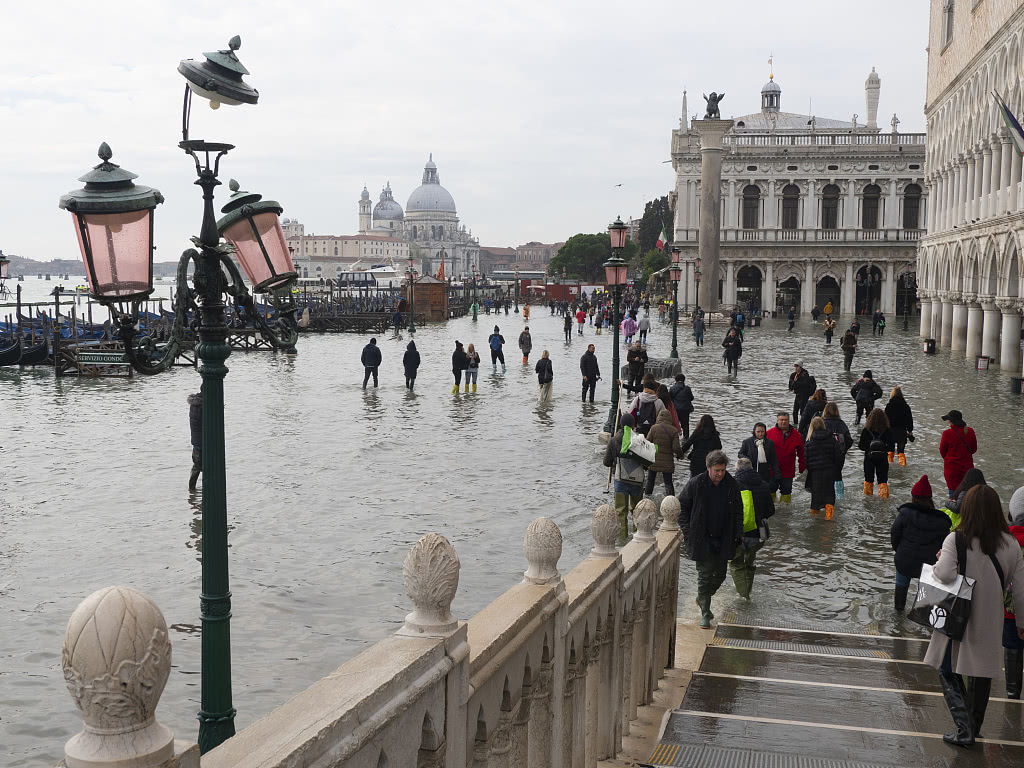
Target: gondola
x=12, y=354
x=34, y=355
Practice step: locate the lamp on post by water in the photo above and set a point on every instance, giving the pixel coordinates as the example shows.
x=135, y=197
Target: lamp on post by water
x=675, y=272
x=113, y=219
x=412, y=299
x=696, y=280
x=517, y=289
x=615, y=274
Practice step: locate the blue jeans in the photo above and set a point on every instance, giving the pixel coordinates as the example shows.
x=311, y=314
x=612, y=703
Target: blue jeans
x=471, y=374
x=901, y=580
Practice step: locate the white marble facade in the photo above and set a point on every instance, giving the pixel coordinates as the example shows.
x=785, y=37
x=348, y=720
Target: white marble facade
x=813, y=209
x=970, y=260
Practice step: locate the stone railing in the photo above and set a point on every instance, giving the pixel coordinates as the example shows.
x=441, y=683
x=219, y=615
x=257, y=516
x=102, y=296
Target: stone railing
x=802, y=235
x=549, y=675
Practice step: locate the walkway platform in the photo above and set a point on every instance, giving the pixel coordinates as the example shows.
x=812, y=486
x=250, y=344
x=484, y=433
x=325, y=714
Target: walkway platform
x=767, y=697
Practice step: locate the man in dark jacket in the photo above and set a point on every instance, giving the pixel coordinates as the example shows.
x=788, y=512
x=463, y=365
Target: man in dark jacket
x=628, y=477
x=711, y=518
x=917, y=535
x=757, y=507
x=460, y=362
x=591, y=372
x=802, y=385
x=195, y=424
x=864, y=392
x=411, y=363
x=636, y=359
x=371, y=361
x=682, y=399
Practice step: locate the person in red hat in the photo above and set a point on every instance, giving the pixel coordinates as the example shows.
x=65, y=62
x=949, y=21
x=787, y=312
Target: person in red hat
x=957, y=447
x=917, y=535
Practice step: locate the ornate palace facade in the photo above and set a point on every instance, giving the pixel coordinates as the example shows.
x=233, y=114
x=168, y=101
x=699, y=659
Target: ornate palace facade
x=813, y=209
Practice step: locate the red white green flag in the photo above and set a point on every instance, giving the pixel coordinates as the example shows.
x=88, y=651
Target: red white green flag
x=662, y=240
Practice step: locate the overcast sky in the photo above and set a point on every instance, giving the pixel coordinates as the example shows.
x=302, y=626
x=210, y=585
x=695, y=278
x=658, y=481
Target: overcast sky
x=533, y=110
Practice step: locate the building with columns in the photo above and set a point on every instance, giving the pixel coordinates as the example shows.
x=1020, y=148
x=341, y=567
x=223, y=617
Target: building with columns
x=969, y=264
x=813, y=209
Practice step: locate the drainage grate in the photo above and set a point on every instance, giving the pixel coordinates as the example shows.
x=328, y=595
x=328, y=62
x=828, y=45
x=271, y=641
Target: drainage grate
x=705, y=756
x=821, y=650
x=771, y=620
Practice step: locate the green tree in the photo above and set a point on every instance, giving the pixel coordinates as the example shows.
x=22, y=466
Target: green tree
x=583, y=257
x=658, y=215
x=644, y=265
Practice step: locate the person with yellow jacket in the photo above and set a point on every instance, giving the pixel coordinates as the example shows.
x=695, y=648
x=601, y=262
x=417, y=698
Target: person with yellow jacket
x=757, y=508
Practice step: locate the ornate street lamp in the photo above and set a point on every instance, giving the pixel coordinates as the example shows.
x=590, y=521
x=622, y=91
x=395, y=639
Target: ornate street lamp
x=615, y=274
x=517, y=289
x=475, y=306
x=412, y=299
x=114, y=224
x=675, y=272
x=5, y=266
x=696, y=280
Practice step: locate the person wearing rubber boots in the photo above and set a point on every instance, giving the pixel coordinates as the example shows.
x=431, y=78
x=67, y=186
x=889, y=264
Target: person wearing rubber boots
x=628, y=477
x=711, y=519
x=789, y=449
x=757, y=507
x=526, y=344
x=876, y=441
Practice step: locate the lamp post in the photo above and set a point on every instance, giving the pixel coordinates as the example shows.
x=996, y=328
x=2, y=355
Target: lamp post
x=114, y=223
x=696, y=280
x=5, y=267
x=517, y=289
x=412, y=296
x=615, y=274
x=908, y=286
x=675, y=272
x=475, y=307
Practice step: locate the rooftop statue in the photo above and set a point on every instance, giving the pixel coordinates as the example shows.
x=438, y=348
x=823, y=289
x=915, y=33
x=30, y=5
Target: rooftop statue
x=712, y=111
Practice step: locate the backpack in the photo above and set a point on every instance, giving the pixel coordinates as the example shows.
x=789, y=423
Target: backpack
x=495, y=342
x=876, y=448
x=864, y=396
x=646, y=415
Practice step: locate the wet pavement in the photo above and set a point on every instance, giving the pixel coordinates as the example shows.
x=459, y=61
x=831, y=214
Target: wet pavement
x=825, y=700
x=328, y=486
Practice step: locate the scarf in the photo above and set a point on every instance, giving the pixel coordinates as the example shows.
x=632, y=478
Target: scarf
x=761, y=458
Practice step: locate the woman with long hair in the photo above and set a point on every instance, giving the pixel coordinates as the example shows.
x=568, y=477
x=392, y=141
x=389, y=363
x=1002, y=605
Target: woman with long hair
x=824, y=460
x=901, y=422
x=815, y=407
x=992, y=557
x=703, y=440
x=876, y=442
x=545, y=375
x=666, y=398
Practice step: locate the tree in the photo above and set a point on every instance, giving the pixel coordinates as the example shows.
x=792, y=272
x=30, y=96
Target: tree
x=583, y=257
x=646, y=264
x=657, y=216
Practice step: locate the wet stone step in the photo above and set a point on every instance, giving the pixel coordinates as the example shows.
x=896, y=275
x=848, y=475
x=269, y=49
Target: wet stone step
x=898, y=675
x=905, y=649
x=715, y=742
x=858, y=708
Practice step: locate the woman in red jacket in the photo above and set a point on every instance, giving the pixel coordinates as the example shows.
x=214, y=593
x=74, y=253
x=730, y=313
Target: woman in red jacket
x=957, y=448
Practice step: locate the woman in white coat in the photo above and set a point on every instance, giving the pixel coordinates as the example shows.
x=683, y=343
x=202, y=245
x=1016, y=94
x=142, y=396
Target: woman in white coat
x=977, y=657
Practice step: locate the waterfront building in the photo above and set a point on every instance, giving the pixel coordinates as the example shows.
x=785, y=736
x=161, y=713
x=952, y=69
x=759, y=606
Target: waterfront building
x=969, y=262
x=813, y=209
x=428, y=226
x=493, y=257
x=534, y=255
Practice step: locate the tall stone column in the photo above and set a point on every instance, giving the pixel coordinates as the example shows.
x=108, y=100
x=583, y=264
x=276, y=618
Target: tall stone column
x=1004, y=173
x=963, y=210
x=731, y=221
x=924, y=297
x=811, y=206
x=889, y=290
x=849, y=301
x=771, y=214
x=1009, y=347
x=937, y=300
x=808, y=290
x=946, y=339
x=971, y=200
x=850, y=219
x=729, y=292
x=959, y=338
x=711, y=152
x=975, y=320
x=768, y=289
x=1015, y=168
x=892, y=207
x=940, y=201
x=995, y=201
x=958, y=198
x=950, y=197
x=986, y=179
x=991, y=327
x=931, y=185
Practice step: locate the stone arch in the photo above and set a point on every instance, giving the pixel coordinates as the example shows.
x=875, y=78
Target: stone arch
x=787, y=270
x=987, y=267
x=970, y=281
x=430, y=739
x=1011, y=268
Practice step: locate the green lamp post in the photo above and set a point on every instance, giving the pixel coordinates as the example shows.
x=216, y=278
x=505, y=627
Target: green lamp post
x=675, y=272
x=114, y=224
x=615, y=274
x=517, y=289
x=412, y=296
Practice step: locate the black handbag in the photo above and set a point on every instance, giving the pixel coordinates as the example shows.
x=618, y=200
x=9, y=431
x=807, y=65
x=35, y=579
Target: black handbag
x=945, y=608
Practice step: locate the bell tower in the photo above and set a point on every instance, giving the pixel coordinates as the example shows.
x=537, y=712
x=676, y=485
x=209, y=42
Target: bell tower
x=364, y=211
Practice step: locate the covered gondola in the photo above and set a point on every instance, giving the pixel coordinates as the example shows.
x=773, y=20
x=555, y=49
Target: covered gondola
x=12, y=354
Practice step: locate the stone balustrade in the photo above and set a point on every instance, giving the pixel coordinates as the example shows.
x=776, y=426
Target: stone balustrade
x=549, y=675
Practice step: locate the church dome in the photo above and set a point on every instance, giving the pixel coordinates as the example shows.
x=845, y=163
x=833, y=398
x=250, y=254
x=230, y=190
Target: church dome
x=771, y=87
x=387, y=209
x=430, y=196
x=771, y=96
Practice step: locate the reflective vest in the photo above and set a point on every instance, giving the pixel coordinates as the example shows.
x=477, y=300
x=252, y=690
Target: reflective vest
x=954, y=518
x=749, y=519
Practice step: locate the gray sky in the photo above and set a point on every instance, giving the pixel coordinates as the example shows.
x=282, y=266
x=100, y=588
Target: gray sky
x=533, y=110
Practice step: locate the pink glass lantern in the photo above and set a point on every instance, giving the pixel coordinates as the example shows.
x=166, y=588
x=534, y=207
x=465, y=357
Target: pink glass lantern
x=675, y=255
x=254, y=228
x=675, y=273
x=617, y=233
x=5, y=268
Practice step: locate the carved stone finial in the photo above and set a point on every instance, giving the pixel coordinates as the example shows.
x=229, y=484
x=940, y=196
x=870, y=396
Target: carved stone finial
x=669, y=514
x=104, y=152
x=233, y=185
x=645, y=516
x=431, y=573
x=542, y=547
x=605, y=528
x=235, y=43
x=116, y=660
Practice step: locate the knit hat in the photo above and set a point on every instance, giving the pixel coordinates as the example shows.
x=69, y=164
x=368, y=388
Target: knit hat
x=923, y=490
x=1017, y=507
x=798, y=364
x=867, y=374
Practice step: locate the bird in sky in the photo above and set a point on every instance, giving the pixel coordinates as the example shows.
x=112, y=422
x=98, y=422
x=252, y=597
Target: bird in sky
x=617, y=185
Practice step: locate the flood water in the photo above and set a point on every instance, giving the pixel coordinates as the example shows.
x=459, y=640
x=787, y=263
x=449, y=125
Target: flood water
x=329, y=485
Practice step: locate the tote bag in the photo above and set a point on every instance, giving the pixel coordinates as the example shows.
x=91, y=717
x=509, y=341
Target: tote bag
x=638, y=447
x=946, y=608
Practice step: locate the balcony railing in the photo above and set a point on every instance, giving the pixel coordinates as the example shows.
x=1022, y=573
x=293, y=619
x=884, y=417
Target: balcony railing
x=822, y=139
x=882, y=236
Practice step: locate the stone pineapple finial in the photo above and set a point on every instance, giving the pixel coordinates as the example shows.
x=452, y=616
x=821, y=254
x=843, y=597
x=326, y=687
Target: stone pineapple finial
x=116, y=660
x=645, y=517
x=669, y=514
x=605, y=529
x=431, y=574
x=542, y=547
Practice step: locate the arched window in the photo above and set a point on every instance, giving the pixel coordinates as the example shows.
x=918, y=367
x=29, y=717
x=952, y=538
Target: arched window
x=413, y=231
x=790, y=206
x=872, y=196
x=440, y=232
x=912, y=207
x=830, y=207
x=751, y=206
x=433, y=233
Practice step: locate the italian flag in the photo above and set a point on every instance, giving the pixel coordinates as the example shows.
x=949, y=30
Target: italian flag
x=1012, y=126
x=662, y=240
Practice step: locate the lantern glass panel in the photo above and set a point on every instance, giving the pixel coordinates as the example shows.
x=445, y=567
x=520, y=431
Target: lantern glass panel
x=618, y=235
x=264, y=272
x=675, y=257
x=675, y=273
x=121, y=248
x=5, y=267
